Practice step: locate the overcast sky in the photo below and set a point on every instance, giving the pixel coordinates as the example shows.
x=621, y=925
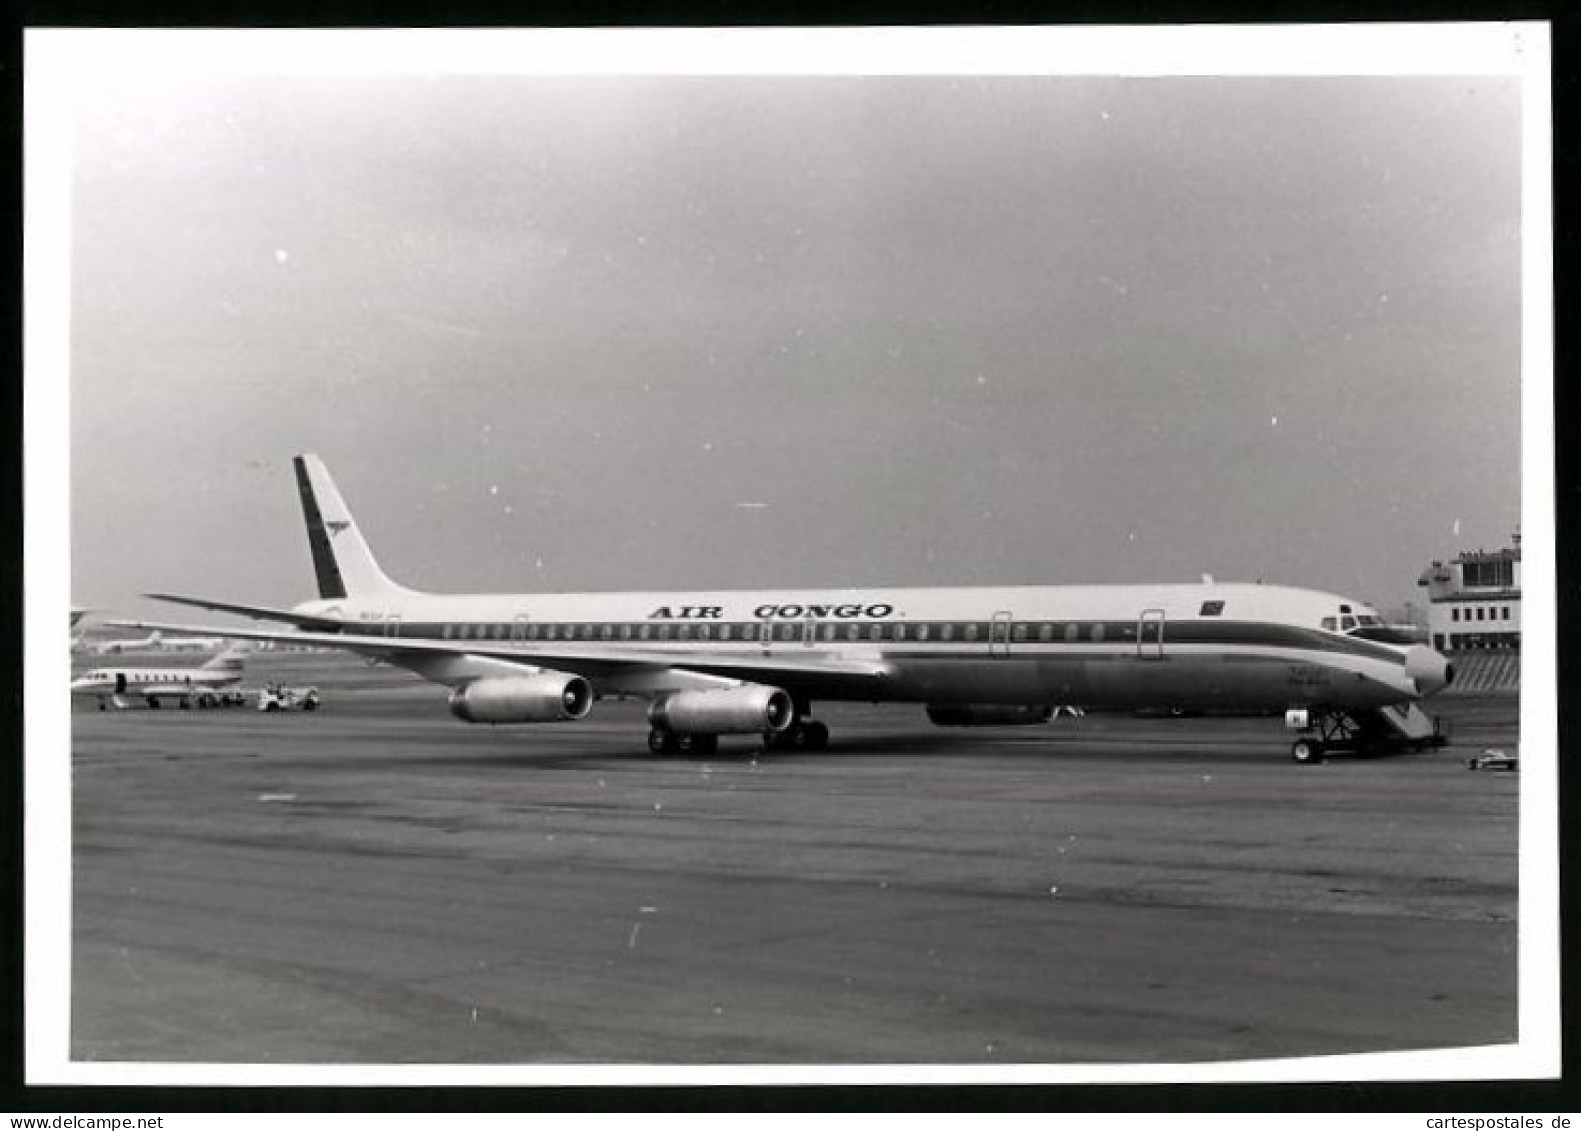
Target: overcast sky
x=646, y=332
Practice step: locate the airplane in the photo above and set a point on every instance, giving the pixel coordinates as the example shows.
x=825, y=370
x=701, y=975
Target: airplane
x=753, y=662
x=186, y=685
x=116, y=647
x=77, y=615
x=159, y=642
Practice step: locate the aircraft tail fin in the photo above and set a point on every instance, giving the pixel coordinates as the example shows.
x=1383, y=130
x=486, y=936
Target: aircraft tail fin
x=344, y=565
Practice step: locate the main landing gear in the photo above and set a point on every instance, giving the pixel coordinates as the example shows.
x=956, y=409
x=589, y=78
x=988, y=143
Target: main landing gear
x=803, y=734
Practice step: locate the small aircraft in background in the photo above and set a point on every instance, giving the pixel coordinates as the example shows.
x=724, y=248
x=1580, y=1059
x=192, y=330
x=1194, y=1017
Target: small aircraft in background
x=189, y=686
x=159, y=642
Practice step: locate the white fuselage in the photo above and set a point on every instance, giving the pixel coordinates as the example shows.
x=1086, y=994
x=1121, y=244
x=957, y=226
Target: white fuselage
x=153, y=683
x=1229, y=645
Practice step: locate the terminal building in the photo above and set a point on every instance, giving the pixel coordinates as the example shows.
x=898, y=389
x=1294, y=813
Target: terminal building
x=1474, y=602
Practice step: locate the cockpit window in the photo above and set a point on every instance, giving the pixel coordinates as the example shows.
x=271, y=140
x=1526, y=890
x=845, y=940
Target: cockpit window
x=1347, y=623
x=1364, y=619
x=1211, y=608
x=1330, y=623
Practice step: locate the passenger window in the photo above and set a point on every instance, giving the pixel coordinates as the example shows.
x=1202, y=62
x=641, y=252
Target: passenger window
x=900, y=632
x=971, y=631
x=702, y=632
x=877, y=633
x=828, y=632
x=448, y=628
x=922, y=632
x=1045, y=632
x=664, y=632
x=788, y=631
x=607, y=632
x=1097, y=631
x=625, y=632
x=851, y=631
x=683, y=632
x=644, y=631
x=724, y=632
x=1019, y=632
x=946, y=632
x=1072, y=630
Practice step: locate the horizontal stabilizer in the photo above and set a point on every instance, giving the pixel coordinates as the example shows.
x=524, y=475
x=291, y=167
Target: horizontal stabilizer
x=256, y=612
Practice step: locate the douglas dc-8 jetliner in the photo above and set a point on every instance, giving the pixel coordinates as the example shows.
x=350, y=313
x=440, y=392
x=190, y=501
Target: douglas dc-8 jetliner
x=109, y=685
x=753, y=662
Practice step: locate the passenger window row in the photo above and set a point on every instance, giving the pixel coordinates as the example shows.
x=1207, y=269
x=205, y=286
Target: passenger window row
x=1043, y=632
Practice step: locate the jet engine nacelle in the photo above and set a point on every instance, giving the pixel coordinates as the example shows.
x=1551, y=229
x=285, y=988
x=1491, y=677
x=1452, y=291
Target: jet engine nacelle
x=549, y=697
x=750, y=709
x=988, y=715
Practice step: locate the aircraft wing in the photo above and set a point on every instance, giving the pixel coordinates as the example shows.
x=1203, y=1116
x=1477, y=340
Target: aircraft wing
x=790, y=672
x=257, y=612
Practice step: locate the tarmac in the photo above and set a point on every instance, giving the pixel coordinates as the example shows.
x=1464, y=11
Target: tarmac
x=378, y=882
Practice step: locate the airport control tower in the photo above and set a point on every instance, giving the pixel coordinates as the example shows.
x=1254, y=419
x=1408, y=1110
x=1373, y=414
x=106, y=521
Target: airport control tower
x=1474, y=602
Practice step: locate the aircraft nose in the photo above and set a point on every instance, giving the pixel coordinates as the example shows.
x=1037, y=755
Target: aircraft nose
x=1430, y=670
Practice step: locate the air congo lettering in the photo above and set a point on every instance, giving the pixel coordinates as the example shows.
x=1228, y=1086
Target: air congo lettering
x=768, y=612
x=687, y=612
x=845, y=612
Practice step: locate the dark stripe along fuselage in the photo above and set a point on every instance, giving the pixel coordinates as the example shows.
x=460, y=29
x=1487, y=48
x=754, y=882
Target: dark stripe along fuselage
x=1206, y=661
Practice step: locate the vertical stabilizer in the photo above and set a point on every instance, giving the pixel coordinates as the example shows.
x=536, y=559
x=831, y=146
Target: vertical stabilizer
x=341, y=559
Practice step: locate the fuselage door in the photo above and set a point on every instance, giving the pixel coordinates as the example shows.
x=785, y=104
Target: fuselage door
x=999, y=635
x=519, y=627
x=766, y=633
x=1150, y=634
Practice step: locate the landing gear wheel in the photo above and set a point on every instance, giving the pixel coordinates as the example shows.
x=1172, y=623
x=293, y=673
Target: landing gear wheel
x=663, y=741
x=1307, y=751
x=697, y=743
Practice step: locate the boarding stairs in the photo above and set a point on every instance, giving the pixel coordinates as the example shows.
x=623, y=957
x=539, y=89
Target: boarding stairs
x=1413, y=726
